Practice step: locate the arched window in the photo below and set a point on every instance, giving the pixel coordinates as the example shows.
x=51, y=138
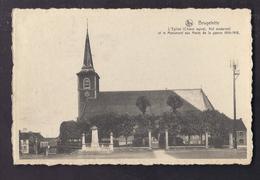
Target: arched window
x=86, y=83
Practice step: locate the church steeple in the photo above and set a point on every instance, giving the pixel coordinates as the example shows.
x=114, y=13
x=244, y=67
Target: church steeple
x=87, y=63
x=88, y=79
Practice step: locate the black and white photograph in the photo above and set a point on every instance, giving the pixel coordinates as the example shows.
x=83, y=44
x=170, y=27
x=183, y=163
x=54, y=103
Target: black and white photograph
x=122, y=86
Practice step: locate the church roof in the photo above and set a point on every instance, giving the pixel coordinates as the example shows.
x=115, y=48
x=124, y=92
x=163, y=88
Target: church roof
x=122, y=102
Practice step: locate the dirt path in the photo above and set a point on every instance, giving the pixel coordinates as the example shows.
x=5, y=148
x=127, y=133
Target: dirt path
x=160, y=154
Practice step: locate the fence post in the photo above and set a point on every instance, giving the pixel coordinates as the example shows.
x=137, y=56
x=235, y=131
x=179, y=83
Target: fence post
x=111, y=145
x=166, y=139
x=36, y=146
x=47, y=150
x=231, y=141
x=206, y=140
x=150, y=138
x=83, y=147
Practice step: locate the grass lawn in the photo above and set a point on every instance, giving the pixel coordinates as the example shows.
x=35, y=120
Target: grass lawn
x=146, y=154
x=208, y=154
x=113, y=155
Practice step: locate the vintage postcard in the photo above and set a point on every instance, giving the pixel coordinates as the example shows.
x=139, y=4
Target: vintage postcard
x=123, y=86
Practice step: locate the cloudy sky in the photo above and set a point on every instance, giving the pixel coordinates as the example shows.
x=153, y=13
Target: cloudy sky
x=128, y=54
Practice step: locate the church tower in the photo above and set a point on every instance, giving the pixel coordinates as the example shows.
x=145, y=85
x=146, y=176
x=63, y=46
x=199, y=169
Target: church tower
x=88, y=80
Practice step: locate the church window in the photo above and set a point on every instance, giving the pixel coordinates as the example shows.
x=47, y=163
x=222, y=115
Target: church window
x=86, y=83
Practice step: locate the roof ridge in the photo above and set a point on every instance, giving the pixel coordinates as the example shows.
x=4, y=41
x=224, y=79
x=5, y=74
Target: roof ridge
x=187, y=89
x=205, y=98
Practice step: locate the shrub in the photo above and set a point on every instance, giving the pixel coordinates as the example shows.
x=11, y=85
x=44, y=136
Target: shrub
x=140, y=141
x=218, y=142
x=179, y=141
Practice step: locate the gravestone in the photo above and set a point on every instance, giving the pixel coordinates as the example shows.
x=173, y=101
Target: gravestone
x=231, y=145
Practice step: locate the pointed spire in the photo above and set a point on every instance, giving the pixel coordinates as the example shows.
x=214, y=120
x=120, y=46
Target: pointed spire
x=88, y=63
x=87, y=26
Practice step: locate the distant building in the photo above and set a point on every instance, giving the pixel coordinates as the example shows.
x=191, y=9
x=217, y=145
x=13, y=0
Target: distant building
x=50, y=145
x=35, y=143
x=240, y=130
x=29, y=142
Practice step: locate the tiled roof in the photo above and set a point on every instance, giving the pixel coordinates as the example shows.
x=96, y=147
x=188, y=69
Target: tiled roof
x=51, y=141
x=122, y=102
x=28, y=135
x=239, y=125
x=196, y=97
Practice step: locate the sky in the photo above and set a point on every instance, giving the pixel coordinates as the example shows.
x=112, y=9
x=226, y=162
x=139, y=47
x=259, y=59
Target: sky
x=128, y=54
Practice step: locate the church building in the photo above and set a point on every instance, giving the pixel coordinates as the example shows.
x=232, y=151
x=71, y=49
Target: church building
x=92, y=101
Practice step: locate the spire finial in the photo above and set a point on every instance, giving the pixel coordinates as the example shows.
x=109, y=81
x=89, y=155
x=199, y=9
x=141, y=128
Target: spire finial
x=87, y=25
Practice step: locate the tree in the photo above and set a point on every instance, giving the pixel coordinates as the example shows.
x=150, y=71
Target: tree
x=84, y=126
x=142, y=103
x=106, y=123
x=144, y=123
x=172, y=120
x=174, y=102
x=68, y=130
x=214, y=121
x=191, y=124
x=216, y=125
x=126, y=125
x=169, y=121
